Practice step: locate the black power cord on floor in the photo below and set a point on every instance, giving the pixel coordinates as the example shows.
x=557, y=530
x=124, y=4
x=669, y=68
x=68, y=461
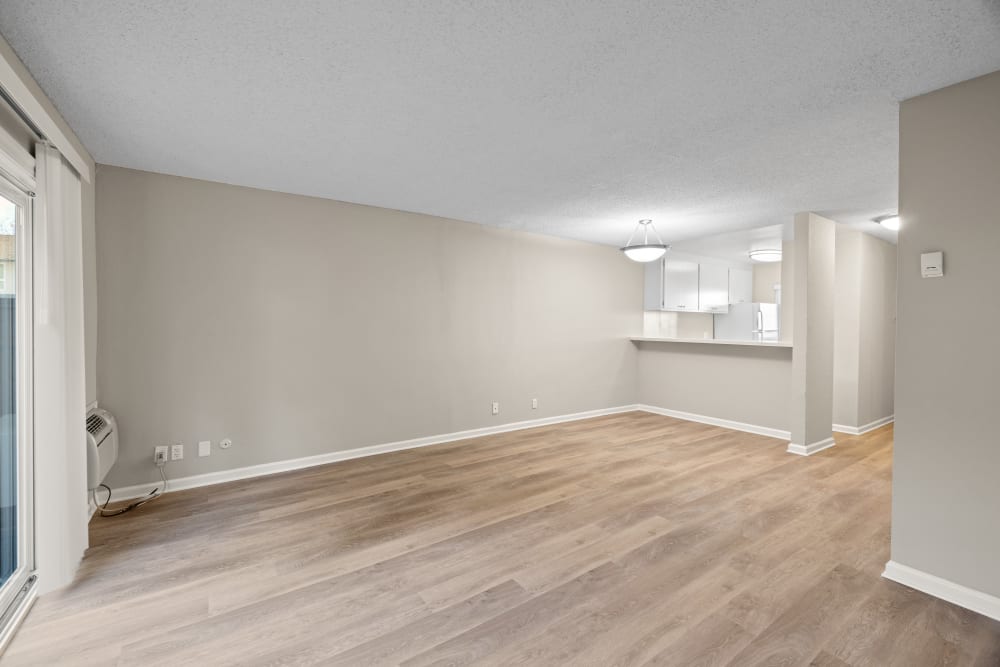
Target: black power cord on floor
x=153, y=495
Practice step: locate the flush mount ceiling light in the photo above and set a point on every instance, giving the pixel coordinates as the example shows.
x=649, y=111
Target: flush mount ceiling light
x=765, y=254
x=645, y=251
x=890, y=222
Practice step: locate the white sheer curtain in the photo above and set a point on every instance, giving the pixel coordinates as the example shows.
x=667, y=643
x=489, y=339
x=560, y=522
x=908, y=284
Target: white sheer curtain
x=61, y=510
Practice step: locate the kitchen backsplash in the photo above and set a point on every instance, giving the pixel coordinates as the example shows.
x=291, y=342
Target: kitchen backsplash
x=664, y=324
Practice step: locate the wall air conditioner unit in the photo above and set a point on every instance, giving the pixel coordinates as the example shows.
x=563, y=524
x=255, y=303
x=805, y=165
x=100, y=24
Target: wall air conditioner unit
x=102, y=446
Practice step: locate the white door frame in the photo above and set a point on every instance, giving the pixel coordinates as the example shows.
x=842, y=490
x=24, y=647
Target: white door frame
x=19, y=583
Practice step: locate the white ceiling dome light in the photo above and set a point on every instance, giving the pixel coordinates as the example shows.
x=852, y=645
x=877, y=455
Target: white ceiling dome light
x=890, y=222
x=645, y=251
x=769, y=251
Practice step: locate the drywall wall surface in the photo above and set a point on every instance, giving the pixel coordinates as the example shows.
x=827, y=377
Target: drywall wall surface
x=695, y=325
x=787, y=290
x=670, y=324
x=846, y=326
x=765, y=276
x=299, y=326
x=946, y=463
x=814, y=305
x=864, y=328
x=877, y=330
x=751, y=385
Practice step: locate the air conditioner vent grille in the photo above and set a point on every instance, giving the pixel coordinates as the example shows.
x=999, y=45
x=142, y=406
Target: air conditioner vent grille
x=102, y=445
x=96, y=424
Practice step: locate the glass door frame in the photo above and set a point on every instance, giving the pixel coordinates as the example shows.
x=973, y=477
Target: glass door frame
x=24, y=341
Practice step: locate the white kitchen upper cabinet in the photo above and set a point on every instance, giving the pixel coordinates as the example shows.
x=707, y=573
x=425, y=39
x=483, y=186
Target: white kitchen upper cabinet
x=740, y=286
x=713, y=288
x=680, y=285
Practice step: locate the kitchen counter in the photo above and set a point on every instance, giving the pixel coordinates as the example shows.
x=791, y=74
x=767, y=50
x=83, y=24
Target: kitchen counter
x=712, y=341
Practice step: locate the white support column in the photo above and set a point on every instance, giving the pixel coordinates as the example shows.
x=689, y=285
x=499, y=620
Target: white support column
x=812, y=351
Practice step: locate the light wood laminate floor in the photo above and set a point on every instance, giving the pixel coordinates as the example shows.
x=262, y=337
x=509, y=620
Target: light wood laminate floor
x=623, y=540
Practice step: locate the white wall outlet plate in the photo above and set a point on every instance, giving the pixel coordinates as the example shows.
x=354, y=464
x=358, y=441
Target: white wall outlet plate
x=534, y=404
x=496, y=408
x=225, y=444
x=160, y=454
x=176, y=452
x=205, y=448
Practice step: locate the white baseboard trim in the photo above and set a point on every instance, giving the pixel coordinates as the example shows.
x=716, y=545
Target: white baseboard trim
x=861, y=430
x=810, y=449
x=715, y=421
x=949, y=591
x=222, y=476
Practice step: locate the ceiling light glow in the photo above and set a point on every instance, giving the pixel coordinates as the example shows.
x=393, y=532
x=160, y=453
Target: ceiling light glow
x=765, y=255
x=890, y=222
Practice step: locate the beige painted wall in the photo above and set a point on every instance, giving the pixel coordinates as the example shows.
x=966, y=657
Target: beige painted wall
x=946, y=467
x=298, y=326
x=864, y=328
x=765, y=276
x=751, y=385
x=787, y=290
x=669, y=324
x=877, y=330
x=846, y=326
x=814, y=306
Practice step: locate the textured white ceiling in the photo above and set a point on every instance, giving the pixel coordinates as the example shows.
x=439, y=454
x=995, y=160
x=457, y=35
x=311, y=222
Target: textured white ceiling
x=734, y=246
x=567, y=117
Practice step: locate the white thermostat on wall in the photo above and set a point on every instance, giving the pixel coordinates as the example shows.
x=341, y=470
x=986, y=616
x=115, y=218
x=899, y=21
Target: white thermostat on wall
x=932, y=264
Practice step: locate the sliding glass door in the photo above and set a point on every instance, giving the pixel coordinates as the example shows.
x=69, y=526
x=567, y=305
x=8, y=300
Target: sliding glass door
x=16, y=518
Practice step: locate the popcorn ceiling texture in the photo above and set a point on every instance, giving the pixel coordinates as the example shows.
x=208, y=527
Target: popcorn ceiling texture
x=566, y=117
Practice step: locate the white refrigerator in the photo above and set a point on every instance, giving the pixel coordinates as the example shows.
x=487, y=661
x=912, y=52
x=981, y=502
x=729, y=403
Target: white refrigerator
x=749, y=321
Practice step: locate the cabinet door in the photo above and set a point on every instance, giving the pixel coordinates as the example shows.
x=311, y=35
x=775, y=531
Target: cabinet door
x=740, y=286
x=713, y=288
x=680, y=285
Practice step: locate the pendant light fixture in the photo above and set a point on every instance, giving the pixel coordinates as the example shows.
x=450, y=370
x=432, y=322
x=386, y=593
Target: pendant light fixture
x=645, y=251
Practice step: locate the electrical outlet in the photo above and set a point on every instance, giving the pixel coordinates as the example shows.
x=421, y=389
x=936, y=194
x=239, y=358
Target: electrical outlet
x=496, y=408
x=534, y=404
x=176, y=452
x=205, y=448
x=225, y=444
x=160, y=454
